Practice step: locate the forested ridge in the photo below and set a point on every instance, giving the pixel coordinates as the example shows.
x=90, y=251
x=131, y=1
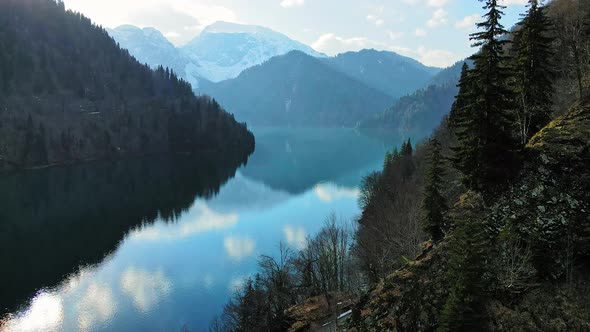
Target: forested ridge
x=69, y=93
x=484, y=227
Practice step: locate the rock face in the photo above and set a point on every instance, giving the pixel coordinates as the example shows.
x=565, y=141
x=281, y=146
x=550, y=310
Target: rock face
x=565, y=139
x=548, y=206
x=315, y=314
x=409, y=299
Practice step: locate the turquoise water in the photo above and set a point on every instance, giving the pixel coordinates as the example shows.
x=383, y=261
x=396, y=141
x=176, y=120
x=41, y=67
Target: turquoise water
x=160, y=245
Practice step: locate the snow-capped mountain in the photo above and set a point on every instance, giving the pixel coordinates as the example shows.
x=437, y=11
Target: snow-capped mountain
x=223, y=50
x=149, y=46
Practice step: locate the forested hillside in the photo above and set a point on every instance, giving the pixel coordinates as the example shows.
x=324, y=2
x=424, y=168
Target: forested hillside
x=69, y=93
x=482, y=228
x=420, y=112
x=388, y=72
x=298, y=90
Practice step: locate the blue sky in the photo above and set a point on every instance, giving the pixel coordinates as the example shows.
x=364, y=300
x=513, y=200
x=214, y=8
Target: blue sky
x=434, y=32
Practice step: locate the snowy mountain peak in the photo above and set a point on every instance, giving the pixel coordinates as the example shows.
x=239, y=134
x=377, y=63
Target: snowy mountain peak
x=225, y=49
x=148, y=45
x=222, y=51
x=227, y=27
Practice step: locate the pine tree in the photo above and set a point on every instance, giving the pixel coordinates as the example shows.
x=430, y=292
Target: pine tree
x=462, y=98
x=485, y=153
x=407, y=149
x=586, y=94
x=534, y=86
x=434, y=205
x=467, y=266
x=465, y=123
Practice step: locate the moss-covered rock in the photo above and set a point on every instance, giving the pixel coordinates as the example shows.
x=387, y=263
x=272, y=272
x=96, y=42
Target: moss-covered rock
x=409, y=299
x=566, y=140
x=548, y=208
x=548, y=308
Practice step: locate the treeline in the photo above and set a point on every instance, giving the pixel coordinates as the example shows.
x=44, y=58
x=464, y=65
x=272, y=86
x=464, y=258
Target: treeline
x=68, y=92
x=476, y=186
x=325, y=267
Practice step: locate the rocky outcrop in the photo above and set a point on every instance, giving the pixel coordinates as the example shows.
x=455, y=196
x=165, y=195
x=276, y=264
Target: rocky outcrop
x=315, y=314
x=410, y=299
x=565, y=142
x=548, y=207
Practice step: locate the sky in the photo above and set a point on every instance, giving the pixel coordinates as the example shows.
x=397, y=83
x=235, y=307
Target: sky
x=434, y=32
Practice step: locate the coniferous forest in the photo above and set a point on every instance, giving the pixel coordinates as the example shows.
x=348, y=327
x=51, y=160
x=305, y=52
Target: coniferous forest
x=69, y=93
x=483, y=227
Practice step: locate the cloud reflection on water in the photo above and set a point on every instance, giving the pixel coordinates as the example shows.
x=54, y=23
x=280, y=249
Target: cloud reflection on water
x=239, y=247
x=145, y=288
x=45, y=313
x=199, y=219
x=328, y=192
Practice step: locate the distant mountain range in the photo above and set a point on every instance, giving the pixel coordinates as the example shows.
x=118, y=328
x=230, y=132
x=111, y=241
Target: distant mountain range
x=222, y=50
x=149, y=46
x=298, y=90
x=388, y=72
x=267, y=79
x=421, y=112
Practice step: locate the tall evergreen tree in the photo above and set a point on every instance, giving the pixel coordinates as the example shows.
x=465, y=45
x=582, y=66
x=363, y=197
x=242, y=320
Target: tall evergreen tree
x=434, y=205
x=462, y=98
x=485, y=153
x=533, y=71
x=467, y=266
x=464, y=121
x=407, y=149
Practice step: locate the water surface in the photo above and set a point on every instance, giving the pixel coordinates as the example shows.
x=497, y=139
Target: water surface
x=160, y=244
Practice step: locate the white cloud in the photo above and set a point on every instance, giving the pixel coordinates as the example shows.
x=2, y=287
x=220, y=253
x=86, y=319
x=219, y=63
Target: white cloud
x=437, y=3
x=376, y=20
x=199, y=219
x=436, y=57
x=332, y=44
x=237, y=283
x=439, y=17
x=46, y=313
x=239, y=248
x=145, y=288
x=96, y=306
x=329, y=193
x=394, y=35
x=164, y=15
x=296, y=236
x=292, y=3
x=467, y=22
x=513, y=2
x=421, y=32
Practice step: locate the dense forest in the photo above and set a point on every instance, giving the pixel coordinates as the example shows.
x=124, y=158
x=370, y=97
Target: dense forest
x=69, y=93
x=420, y=112
x=482, y=227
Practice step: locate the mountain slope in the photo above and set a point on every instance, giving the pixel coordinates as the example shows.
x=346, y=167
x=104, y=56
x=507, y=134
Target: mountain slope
x=420, y=112
x=388, y=72
x=298, y=90
x=223, y=50
x=149, y=46
x=448, y=75
x=68, y=93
